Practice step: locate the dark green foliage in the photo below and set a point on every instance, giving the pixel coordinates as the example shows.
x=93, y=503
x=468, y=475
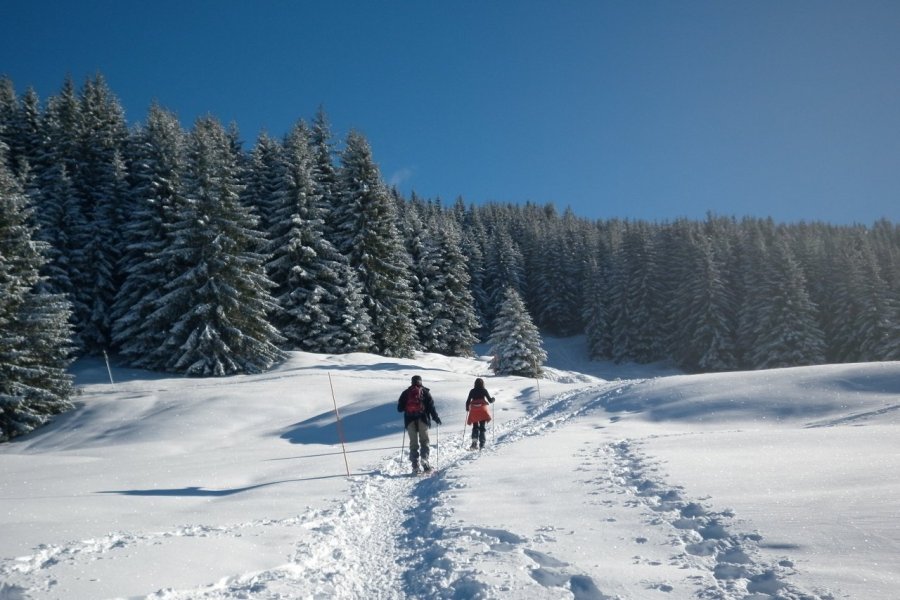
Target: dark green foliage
x=366, y=231
x=214, y=309
x=35, y=336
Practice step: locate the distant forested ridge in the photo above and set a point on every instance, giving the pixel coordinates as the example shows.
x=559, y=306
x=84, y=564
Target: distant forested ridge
x=184, y=251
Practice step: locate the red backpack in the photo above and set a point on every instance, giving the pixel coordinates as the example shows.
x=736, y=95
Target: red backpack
x=415, y=404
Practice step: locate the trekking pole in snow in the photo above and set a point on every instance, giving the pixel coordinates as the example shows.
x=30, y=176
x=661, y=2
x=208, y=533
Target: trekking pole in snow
x=466, y=422
x=340, y=426
x=437, y=447
x=402, y=443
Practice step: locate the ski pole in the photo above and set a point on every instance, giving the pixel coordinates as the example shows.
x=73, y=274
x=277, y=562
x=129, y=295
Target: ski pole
x=465, y=422
x=437, y=447
x=402, y=443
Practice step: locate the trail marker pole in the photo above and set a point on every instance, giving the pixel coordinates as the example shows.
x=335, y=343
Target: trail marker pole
x=340, y=426
x=493, y=421
x=108, y=370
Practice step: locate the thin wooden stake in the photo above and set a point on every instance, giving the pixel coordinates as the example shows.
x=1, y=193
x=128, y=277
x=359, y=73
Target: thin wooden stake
x=108, y=370
x=340, y=426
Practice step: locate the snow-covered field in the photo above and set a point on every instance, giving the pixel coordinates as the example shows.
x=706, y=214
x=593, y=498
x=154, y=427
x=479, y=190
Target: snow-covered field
x=602, y=481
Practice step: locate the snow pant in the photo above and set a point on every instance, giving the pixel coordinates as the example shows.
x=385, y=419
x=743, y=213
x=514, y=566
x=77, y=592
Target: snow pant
x=418, y=441
x=478, y=433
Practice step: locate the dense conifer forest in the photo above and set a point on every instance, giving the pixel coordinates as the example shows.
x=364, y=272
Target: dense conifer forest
x=185, y=251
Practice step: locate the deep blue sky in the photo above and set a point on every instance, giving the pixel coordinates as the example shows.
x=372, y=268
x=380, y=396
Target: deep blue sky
x=631, y=109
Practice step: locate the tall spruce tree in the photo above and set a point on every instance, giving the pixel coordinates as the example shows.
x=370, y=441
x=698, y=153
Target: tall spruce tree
x=450, y=322
x=34, y=331
x=9, y=109
x=320, y=303
x=59, y=208
x=155, y=157
x=215, y=307
x=365, y=229
x=473, y=245
x=516, y=343
x=99, y=180
x=596, y=311
x=868, y=327
x=25, y=134
x=324, y=170
x=637, y=329
x=504, y=268
x=786, y=333
x=704, y=310
x=416, y=236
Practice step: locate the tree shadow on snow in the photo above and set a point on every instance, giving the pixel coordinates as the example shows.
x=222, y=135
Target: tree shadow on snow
x=200, y=492
x=372, y=423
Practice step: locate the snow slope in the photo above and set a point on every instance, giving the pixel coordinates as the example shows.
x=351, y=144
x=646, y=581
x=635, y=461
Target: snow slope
x=602, y=481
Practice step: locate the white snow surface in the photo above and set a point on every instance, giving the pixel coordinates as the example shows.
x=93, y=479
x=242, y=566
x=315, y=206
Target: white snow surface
x=601, y=481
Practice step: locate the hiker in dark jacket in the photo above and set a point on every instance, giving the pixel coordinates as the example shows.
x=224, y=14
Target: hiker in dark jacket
x=417, y=407
x=477, y=409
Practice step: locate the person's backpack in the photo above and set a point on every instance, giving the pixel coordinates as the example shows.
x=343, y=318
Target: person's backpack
x=415, y=404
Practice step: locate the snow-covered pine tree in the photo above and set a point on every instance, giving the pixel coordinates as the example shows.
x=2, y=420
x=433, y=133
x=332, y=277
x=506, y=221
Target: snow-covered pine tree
x=25, y=133
x=703, y=309
x=504, y=268
x=9, y=108
x=636, y=298
x=557, y=276
x=155, y=158
x=752, y=264
x=320, y=304
x=324, y=170
x=57, y=214
x=886, y=245
x=264, y=181
x=516, y=343
x=99, y=180
x=596, y=311
x=473, y=243
x=34, y=331
x=416, y=238
x=365, y=229
x=786, y=333
x=868, y=328
x=59, y=209
x=450, y=322
x=215, y=308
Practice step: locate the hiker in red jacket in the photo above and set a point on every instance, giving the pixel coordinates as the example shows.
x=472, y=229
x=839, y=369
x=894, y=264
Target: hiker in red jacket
x=417, y=407
x=477, y=408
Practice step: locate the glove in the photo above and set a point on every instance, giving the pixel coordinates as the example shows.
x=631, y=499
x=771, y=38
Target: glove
x=437, y=420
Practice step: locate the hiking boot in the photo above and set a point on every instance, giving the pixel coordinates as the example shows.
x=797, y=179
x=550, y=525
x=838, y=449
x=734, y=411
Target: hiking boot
x=415, y=468
x=474, y=445
x=426, y=467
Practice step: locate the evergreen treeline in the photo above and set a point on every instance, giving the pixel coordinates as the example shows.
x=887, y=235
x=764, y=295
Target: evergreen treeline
x=183, y=251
